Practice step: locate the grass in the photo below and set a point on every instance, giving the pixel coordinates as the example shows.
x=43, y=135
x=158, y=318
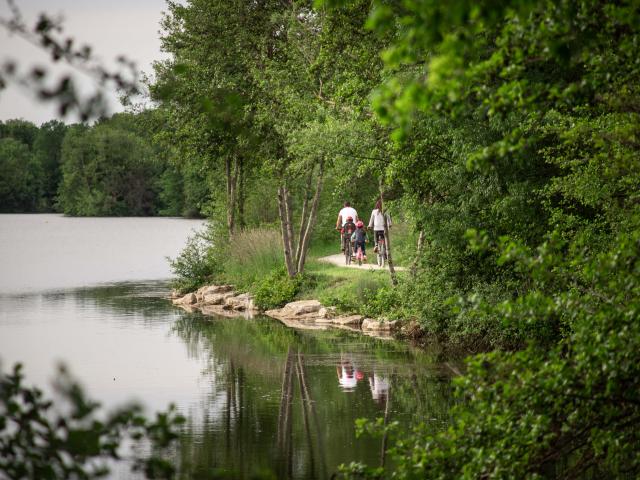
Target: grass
x=252, y=255
x=253, y=262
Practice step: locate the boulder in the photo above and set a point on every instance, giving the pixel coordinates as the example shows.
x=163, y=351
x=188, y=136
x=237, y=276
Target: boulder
x=300, y=308
x=327, y=312
x=216, y=289
x=379, y=325
x=188, y=299
x=348, y=320
x=216, y=298
x=241, y=302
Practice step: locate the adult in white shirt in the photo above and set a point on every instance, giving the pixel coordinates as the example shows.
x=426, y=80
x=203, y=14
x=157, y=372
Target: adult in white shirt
x=347, y=211
x=376, y=222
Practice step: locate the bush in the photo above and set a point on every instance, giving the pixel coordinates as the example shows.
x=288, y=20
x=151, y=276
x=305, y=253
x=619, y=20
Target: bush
x=384, y=301
x=196, y=265
x=73, y=438
x=276, y=289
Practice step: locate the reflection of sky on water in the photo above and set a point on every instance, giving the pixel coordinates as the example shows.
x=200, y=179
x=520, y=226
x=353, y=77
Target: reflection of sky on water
x=257, y=395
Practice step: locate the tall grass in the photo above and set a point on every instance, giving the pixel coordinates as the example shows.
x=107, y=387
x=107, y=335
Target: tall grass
x=251, y=255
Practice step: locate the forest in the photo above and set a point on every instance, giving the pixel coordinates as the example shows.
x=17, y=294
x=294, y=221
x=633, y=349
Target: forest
x=504, y=136
x=110, y=168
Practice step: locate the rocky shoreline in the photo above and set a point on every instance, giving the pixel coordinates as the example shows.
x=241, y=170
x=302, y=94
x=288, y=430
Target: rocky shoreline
x=222, y=300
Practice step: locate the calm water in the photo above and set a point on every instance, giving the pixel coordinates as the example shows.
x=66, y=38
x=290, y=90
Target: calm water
x=258, y=397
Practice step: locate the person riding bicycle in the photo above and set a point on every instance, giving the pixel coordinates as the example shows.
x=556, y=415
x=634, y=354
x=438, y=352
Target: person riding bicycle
x=359, y=237
x=376, y=222
x=347, y=212
x=346, y=231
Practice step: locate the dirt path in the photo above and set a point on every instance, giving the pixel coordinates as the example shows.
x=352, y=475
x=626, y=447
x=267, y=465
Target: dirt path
x=338, y=260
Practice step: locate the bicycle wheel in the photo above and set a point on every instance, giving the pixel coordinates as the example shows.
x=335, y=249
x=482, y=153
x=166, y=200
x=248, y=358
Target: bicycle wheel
x=359, y=255
x=347, y=252
x=381, y=254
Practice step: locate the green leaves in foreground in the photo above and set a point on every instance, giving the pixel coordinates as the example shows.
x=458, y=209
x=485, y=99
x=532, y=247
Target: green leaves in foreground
x=564, y=412
x=73, y=439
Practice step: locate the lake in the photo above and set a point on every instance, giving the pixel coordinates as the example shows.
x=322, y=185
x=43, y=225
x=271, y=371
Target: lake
x=258, y=397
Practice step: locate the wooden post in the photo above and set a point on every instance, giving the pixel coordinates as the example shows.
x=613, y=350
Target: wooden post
x=387, y=239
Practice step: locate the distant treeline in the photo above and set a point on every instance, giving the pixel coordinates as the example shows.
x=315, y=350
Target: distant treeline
x=113, y=168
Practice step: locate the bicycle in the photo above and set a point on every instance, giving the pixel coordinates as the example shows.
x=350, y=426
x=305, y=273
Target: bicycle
x=346, y=242
x=382, y=252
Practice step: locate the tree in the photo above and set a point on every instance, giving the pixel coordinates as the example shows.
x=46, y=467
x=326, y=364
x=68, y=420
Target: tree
x=47, y=150
x=21, y=177
x=106, y=172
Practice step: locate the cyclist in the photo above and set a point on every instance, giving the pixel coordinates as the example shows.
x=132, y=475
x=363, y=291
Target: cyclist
x=376, y=222
x=346, y=231
x=346, y=212
x=360, y=238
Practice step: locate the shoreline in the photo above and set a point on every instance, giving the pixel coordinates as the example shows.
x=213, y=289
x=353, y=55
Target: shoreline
x=223, y=301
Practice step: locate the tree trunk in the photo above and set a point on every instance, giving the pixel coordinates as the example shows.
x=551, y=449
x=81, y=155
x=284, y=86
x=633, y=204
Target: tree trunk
x=285, y=228
x=242, y=180
x=387, y=239
x=303, y=216
x=289, y=214
x=311, y=222
x=414, y=265
x=231, y=171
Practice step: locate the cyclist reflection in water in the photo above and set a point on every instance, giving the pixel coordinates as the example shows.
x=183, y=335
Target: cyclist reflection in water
x=379, y=388
x=348, y=374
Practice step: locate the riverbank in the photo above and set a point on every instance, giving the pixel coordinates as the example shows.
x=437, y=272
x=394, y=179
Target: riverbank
x=222, y=300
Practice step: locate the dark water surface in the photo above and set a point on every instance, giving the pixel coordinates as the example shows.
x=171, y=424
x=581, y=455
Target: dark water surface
x=259, y=397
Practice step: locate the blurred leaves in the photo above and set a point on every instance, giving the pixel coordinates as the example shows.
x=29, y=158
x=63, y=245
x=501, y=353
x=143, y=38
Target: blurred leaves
x=73, y=438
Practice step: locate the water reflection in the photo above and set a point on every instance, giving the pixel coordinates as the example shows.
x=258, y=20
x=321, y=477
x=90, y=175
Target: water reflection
x=276, y=405
x=260, y=398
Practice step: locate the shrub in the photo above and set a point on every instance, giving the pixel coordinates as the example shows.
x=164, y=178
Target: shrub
x=195, y=266
x=72, y=437
x=276, y=289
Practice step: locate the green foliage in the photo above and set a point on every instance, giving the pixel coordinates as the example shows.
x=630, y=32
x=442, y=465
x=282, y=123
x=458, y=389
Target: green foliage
x=21, y=177
x=196, y=264
x=116, y=167
x=363, y=292
x=72, y=438
x=276, y=289
x=251, y=255
x=106, y=171
x=557, y=412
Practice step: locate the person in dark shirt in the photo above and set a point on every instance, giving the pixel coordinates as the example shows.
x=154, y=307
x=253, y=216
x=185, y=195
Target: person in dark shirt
x=347, y=230
x=360, y=238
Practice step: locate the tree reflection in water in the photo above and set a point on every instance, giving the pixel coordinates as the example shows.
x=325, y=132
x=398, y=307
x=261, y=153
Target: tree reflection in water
x=275, y=408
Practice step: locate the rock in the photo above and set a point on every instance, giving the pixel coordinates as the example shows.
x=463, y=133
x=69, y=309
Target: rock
x=216, y=298
x=412, y=330
x=175, y=294
x=241, y=302
x=327, y=312
x=348, y=320
x=379, y=325
x=301, y=307
x=212, y=289
x=199, y=297
x=188, y=299
x=220, y=311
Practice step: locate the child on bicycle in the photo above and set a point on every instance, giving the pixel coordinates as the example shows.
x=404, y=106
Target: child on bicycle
x=347, y=230
x=359, y=237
